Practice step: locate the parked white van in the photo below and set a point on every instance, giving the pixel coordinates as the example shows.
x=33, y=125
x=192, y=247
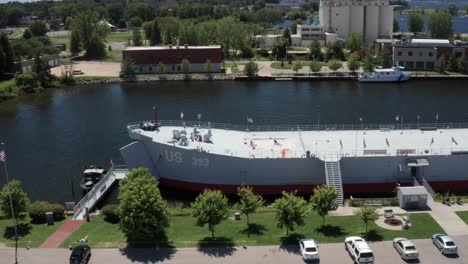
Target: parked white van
x=359, y=250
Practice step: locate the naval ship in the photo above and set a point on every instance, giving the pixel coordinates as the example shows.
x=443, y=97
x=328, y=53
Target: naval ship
x=353, y=158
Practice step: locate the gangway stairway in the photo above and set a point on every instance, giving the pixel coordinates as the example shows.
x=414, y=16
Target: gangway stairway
x=333, y=175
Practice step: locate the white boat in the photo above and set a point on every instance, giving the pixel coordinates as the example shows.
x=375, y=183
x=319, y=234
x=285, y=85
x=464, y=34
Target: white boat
x=394, y=74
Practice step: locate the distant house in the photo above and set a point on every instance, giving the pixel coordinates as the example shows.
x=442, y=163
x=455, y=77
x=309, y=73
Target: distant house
x=148, y=59
x=28, y=20
x=27, y=65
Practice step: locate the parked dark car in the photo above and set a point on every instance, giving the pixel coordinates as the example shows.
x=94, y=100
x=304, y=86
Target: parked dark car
x=80, y=254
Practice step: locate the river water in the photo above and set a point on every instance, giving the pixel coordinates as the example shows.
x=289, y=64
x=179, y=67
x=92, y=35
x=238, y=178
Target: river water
x=53, y=135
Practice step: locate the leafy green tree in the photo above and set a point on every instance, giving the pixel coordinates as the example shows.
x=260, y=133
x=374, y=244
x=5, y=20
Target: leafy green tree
x=291, y=210
x=135, y=22
x=315, y=52
x=155, y=38
x=207, y=66
x=334, y=52
x=453, y=9
x=287, y=36
x=75, y=42
x=210, y=208
x=279, y=50
x=19, y=199
x=251, y=69
x=369, y=62
x=440, y=24
x=452, y=65
x=185, y=66
x=27, y=81
x=441, y=64
x=144, y=11
x=42, y=69
x=462, y=68
x=161, y=68
x=143, y=213
x=27, y=34
x=415, y=22
x=147, y=28
x=386, y=57
x=353, y=63
x=396, y=25
x=14, y=15
x=96, y=48
x=136, y=35
x=354, y=41
x=38, y=28
x=315, y=66
x=6, y=54
x=68, y=23
x=335, y=65
x=324, y=200
x=127, y=68
x=367, y=214
x=234, y=69
x=296, y=66
x=115, y=11
x=249, y=202
x=89, y=33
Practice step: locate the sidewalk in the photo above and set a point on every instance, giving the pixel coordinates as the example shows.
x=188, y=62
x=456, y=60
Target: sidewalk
x=446, y=217
x=62, y=233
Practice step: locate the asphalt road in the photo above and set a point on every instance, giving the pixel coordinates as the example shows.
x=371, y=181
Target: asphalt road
x=329, y=253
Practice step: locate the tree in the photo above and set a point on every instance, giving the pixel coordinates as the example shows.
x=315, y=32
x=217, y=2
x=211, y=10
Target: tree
x=353, y=63
x=96, y=48
x=68, y=23
x=462, y=68
x=279, y=50
x=147, y=28
x=127, y=68
x=115, y=11
x=88, y=33
x=368, y=62
x=27, y=34
x=324, y=200
x=75, y=42
x=296, y=66
x=291, y=210
x=42, y=69
x=185, y=66
x=396, y=25
x=135, y=22
x=155, y=38
x=287, y=36
x=6, y=54
x=19, y=199
x=315, y=52
x=248, y=202
x=143, y=213
x=27, y=81
x=251, y=69
x=335, y=65
x=440, y=64
x=234, y=69
x=354, y=41
x=210, y=208
x=452, y=64
x=386, y=58
x=315, y=66
x=367, y=214
x=453, y=9
x=334, y=52
x=440, y=24
x=38, y=28
x=207, y=66
x=136, y=35
x=161, y=68
x=415, y=22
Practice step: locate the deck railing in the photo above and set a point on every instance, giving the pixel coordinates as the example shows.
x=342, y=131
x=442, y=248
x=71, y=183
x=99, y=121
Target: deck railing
x=305, y=127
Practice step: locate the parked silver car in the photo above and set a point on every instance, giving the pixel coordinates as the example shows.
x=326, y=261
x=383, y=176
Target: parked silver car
x=405, y=248
x=444, y=243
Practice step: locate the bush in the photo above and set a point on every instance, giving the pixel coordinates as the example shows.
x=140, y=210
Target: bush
x=58, y=210
x=27, y=82
x=263, y=52
x=111, y=213
x=37, y=212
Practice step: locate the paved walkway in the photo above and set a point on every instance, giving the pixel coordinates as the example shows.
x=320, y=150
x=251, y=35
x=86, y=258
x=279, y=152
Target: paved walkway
x=448, y=219
x=62, y=233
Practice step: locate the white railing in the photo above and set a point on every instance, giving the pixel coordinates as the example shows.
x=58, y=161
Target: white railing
x=428, y=187
x=92, y=197
x=305, y=127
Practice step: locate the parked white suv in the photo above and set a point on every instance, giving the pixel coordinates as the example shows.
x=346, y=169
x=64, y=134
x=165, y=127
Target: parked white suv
x=359, y=250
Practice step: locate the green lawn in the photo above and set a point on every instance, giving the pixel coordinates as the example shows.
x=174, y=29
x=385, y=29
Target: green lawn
x=463, y=215
x=114, y=56
x=286, y=65
x=8, y=87
x=31, y=235
x=263, y=231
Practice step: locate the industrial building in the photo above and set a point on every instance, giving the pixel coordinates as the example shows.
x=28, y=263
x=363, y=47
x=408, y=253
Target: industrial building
x=149, y=59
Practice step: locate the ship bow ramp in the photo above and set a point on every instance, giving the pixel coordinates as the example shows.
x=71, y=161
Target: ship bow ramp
x=135, y=155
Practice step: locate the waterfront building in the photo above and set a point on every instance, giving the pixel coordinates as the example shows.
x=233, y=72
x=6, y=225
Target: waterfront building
x=422, y=54
x=148, y=59
x=372, y=18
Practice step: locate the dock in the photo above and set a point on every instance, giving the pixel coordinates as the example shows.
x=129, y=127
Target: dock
x=87, y=203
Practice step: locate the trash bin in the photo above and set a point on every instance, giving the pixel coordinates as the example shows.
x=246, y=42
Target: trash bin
x=49, y=218
x=237, y=216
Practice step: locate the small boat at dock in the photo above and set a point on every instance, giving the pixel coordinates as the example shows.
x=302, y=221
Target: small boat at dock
x=91, y=176
x=394, y=74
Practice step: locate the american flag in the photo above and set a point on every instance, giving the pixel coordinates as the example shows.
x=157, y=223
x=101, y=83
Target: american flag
x=397, y=118
x=249, y=120
x=2, y=155
x=199, y=116
x=181, y=115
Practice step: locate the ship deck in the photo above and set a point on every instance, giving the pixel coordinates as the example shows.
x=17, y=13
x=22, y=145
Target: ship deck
x=321, y=144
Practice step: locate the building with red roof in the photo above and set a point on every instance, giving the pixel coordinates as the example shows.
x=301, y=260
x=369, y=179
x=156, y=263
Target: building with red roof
x=150, y=59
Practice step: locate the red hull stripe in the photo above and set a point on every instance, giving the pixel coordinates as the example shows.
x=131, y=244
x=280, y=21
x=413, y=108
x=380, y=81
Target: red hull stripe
x=276, y=189
x=307, y=188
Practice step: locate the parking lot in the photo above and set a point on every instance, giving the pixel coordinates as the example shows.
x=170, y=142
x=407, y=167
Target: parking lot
x=329, y=253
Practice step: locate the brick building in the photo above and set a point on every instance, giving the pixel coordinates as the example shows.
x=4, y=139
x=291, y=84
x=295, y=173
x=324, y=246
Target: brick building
x=148, y=59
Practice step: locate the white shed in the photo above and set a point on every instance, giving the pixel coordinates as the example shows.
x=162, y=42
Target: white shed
x=412, y=197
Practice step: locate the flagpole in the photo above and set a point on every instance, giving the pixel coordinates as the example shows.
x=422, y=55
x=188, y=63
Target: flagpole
x=15, y=222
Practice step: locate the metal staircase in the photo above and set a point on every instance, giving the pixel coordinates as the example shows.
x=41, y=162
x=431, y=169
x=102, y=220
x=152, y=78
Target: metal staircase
x=333, y=175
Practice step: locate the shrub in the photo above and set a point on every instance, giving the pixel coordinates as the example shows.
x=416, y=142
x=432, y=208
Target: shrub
x=58, y=210
x=263, y=52
x=111, y=213
x=37, y=212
